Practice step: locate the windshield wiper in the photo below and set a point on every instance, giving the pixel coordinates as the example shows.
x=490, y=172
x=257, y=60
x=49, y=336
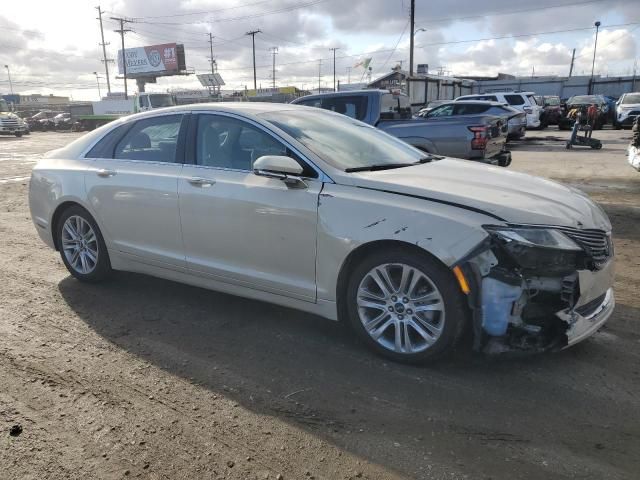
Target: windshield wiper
x=378, y=166
x=388, y=166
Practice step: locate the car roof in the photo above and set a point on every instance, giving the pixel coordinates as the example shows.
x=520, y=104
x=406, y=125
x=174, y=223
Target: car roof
x=246, y=108
x=374, y=91
x=481, y=102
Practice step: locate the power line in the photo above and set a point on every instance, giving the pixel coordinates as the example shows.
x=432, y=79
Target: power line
x=509, y=12
x=243, y=17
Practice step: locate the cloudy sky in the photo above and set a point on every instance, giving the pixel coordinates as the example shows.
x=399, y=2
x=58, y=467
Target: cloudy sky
x=52, y=46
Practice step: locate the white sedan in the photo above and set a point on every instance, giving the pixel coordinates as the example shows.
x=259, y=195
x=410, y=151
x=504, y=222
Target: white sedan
x=314, y=210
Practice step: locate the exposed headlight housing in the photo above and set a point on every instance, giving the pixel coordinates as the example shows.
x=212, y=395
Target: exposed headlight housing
x=542, y=249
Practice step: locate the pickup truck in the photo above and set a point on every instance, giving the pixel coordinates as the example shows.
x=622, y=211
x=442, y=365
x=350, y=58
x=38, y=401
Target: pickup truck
x=10, y=123
x=478, y=137
x=96, y=114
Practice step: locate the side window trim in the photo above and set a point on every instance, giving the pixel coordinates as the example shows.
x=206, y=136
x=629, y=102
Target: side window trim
x=176, y=157
x=112, y=142
x=321, y=176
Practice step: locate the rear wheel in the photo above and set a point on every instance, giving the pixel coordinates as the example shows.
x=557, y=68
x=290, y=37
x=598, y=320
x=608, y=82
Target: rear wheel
x=405, y=306
x=81, y=245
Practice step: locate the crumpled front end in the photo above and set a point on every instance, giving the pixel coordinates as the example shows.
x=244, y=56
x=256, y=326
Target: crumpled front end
x=538, y=288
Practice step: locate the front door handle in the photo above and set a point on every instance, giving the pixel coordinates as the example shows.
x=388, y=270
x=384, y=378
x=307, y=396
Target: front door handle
x=103, y=172
x=201, y=182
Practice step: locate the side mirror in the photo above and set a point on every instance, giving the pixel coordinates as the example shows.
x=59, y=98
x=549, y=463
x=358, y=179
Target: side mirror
x=280, y=167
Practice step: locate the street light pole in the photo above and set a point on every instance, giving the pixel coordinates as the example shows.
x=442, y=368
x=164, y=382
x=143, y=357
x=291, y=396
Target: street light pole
x=9, y=75
x=593, y=64
x=98, y=82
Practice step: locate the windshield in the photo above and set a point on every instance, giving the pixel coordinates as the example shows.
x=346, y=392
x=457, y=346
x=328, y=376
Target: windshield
x=552, y=101
x=631, y=98
x=161, y=100
x=343, y=142
x=3, y=106
x=585, y=99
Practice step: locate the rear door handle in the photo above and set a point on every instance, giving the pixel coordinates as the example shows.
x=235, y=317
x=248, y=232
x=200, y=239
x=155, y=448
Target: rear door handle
x=103, y=172
x=201, y=182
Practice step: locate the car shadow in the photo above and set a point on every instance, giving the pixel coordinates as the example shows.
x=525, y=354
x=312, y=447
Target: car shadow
x=310, y=372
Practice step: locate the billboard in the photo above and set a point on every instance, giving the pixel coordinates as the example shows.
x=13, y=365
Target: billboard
x=154, y=60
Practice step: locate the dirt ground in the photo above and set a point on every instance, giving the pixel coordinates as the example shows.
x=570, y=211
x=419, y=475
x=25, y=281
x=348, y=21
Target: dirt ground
x=146, y=378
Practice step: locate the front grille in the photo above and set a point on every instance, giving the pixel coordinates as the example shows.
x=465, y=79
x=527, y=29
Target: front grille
x=10, y=123
x=597, y=243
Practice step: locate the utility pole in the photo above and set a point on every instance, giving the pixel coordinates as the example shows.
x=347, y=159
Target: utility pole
x=122, y=31
x=253, y=42
x=274, y=52
x=98, y=82
x=104, y=50
x=334, y=66
x=348, y=74
x=593, y=64
x=211, y=50
x=9, y=75
x=412, y=27
x=319, y=73
x=573, y=58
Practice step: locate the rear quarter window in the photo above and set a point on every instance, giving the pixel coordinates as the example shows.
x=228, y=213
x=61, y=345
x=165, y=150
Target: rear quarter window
x=514, y=99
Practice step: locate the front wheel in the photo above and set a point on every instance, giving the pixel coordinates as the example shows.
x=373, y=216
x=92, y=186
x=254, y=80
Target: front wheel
x=405, y=306
x=81, y=246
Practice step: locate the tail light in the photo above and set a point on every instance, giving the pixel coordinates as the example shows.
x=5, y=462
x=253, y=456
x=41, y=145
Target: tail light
x=528, y=110
x=480, y=137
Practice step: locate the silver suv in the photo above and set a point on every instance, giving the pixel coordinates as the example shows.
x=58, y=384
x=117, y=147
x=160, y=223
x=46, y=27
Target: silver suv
x=523, y=101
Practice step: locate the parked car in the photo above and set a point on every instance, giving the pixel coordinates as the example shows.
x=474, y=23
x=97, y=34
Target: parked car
x=582, y=102
x=551, y=109
x=62, y=121
x=41, y=121
x=433, y=104
x=480, y=138
x=515, y=120
x=320, y=212
x=523, y=101
x=627, y=109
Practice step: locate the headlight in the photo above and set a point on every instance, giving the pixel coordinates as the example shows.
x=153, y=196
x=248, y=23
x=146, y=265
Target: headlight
x=546, y=250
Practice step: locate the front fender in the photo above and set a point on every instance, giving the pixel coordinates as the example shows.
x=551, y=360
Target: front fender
x=349, y=217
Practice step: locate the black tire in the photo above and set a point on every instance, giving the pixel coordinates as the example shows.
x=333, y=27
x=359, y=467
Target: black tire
x=102, y=269
x=617, y=126
x=18, y=134
x=456, y=312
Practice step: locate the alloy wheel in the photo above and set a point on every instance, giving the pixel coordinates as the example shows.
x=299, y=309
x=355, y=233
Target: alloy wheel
x=80, y=244
x=400, y=308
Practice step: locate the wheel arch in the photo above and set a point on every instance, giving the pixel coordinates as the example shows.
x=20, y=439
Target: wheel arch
x=360, y=253
x=57, y=213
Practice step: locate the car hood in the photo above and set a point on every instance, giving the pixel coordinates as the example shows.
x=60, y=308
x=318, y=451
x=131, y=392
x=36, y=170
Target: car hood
x=511, y=196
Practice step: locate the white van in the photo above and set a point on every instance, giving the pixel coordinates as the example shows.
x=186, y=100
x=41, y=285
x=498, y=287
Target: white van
x=523, y=101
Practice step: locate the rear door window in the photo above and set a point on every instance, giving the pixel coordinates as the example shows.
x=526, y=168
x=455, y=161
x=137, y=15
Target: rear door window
x=471, y=109
x=514, y=99
x=152, y=139
x=441, y=111
x=394, y=107
x=105, y=147
x=311, y=102
x=354, y=107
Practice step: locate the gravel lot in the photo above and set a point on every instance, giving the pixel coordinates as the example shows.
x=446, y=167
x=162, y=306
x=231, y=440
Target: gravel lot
x=146, y=378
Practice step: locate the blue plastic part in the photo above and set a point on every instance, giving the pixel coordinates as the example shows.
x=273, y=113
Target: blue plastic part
x=497, y=303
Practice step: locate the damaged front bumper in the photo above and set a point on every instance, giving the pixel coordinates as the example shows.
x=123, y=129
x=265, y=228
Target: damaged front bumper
x=519, y=307
x=582, y=326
